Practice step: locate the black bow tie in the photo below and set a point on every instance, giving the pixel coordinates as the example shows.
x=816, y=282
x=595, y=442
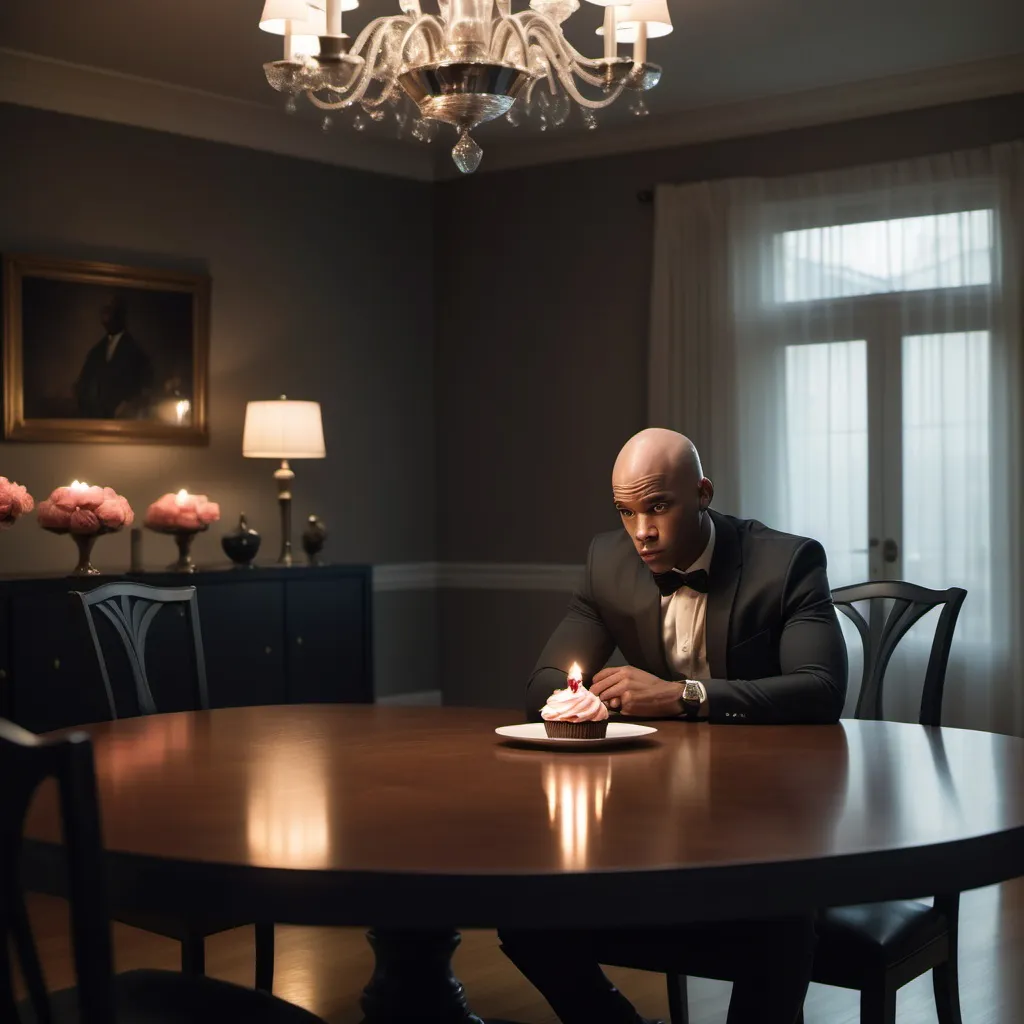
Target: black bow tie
x=670, y=582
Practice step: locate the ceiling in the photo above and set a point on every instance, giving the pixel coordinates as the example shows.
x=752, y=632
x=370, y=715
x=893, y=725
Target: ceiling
x=722, y=51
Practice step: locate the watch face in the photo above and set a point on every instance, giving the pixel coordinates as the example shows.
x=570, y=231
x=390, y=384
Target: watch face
x=692, y=692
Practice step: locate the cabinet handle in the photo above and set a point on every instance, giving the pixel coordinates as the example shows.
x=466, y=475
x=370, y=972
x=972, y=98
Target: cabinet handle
x=266, y=650
x=298, y=640
x=56, y=662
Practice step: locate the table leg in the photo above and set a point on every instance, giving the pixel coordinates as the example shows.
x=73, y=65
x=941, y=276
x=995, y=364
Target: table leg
x=413, y=981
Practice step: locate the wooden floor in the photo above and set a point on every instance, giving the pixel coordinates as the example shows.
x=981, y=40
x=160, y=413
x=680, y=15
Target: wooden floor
x=325, y=969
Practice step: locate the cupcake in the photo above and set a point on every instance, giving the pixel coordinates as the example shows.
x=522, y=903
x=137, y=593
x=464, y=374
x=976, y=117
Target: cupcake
x=575, y=713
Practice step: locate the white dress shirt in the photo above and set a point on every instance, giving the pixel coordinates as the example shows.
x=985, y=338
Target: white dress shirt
x=683, y=619
x=112, y=340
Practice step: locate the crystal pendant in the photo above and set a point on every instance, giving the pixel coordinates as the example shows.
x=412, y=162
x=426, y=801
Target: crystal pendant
x=638, y=108
x=517, y=113
x=359, y=122
x=424, y=130
x=589, y=119
x=561, y=108
x=466, y=153
x=325, y=124
x=290, y=105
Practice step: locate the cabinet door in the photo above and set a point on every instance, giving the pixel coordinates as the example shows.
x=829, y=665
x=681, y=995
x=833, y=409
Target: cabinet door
x=6, y=698
x=328, y=648
x=54, y=678
x=243, y=638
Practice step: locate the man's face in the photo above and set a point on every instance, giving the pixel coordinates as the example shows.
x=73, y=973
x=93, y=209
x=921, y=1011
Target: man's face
x=661, y=516
x=112, y=318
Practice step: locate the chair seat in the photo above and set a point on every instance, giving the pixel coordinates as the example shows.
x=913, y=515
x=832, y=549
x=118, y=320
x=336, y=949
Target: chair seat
x=164, y=997
x=182, y=928
x=878, y=932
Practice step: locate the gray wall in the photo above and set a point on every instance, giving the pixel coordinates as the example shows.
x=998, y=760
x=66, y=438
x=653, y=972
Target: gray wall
x=479, y=347
x=319, y=292
x=542, y=307
x=307, y=262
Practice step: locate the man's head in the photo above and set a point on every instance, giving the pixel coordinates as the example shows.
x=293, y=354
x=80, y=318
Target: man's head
x=660, y=493
x=112, y=315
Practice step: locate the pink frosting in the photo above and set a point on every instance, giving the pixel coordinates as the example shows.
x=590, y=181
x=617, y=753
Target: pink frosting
x=581, y=706
x=194, y=513
x=85, y=512
x=14, y=501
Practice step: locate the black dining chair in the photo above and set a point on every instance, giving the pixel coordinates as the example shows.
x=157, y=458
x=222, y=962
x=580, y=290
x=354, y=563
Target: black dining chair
x=875, y=948
x=129, y=610
x=100, y=996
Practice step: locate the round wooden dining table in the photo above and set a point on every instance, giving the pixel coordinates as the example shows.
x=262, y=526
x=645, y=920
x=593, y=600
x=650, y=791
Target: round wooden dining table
x=418, y=821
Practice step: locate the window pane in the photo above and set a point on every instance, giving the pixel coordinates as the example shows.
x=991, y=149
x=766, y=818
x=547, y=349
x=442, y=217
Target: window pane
x=827, y=452
x=946, y=470
x=948, y=250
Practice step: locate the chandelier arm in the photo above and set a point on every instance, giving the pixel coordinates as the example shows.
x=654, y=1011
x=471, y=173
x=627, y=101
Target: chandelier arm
x=361, y=82
x=532, y=19
x=558, y=51
x=372, y=27
x=570, y=87
x=426, y=23
x=511, y=27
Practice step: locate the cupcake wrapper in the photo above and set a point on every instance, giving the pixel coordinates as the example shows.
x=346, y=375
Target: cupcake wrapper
x=576, y=730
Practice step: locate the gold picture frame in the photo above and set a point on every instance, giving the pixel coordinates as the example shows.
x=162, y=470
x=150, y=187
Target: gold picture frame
x=73, y=368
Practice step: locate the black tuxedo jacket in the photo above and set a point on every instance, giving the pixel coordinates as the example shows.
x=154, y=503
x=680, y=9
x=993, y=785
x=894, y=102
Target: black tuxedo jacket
x=103, y=386
x=774, y=646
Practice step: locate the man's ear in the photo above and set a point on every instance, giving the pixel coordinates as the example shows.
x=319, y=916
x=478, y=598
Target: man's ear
x=707, y=492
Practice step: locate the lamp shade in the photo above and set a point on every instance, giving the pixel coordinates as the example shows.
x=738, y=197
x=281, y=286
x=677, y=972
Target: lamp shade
x=298, y=17
x=653, y=12
x=277, y=14
x=283, y=429
x=306, y=36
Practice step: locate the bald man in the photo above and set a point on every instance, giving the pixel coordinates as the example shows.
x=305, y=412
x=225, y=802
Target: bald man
x=720, y=620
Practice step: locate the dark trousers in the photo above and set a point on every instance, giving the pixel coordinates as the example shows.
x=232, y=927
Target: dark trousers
x=769, y=963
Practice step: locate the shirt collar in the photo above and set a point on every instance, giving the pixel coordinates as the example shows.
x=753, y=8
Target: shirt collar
x=704, y=561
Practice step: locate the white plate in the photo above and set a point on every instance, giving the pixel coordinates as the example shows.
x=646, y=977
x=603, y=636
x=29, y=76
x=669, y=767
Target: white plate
x=533, y=734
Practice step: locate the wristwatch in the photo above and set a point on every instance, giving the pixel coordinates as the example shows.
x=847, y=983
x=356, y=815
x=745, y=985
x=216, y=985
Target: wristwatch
x=690, y=700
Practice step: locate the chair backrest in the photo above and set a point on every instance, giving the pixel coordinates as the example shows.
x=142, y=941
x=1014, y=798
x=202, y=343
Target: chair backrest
x=880, y=638
x=25, y=761
x=131, y=609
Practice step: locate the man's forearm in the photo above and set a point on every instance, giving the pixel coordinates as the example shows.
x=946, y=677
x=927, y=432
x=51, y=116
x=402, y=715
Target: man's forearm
x=806, y=697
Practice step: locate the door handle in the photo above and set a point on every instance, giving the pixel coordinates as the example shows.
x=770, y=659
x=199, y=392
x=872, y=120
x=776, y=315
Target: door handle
x=890, y=550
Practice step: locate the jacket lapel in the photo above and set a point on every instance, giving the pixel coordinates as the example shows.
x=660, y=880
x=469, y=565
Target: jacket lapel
x=647, y=602
x=723, y=579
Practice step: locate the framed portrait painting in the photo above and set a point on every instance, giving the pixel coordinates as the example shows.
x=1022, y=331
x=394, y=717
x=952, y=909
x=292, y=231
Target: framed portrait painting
x=99, y=352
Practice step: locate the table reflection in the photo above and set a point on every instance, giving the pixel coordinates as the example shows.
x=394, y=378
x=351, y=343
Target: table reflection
x=288, y=823
x=576, y=792
x=131, y=755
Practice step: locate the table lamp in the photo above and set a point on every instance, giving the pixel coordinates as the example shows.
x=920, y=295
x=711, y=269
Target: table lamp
x=284, y=430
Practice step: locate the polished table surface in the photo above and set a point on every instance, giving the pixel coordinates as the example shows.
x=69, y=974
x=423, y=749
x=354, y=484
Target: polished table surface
x=423, y=817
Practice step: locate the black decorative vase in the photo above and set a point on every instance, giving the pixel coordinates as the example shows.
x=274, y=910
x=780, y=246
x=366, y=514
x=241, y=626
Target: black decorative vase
x=313, y=537
x=241, y=544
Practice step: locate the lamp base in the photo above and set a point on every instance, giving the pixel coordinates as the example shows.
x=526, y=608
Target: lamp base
x=284, y=477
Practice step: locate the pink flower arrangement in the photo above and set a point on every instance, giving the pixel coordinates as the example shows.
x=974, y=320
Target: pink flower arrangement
x=182, y=511
x=14, y=501
x=85, y=510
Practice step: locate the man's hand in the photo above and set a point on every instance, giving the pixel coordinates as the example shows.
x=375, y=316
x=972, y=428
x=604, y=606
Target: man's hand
x=633, y=692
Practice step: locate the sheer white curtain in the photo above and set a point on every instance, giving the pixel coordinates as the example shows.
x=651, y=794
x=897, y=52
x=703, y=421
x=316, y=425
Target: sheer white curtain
x=848, y=345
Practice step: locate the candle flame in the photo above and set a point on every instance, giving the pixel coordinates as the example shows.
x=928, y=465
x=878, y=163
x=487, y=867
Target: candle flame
x=79, y=485
x=182, y=409
x=575, y=677
x=181, y=497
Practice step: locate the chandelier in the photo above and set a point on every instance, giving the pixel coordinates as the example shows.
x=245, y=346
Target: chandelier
x=473, y=62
